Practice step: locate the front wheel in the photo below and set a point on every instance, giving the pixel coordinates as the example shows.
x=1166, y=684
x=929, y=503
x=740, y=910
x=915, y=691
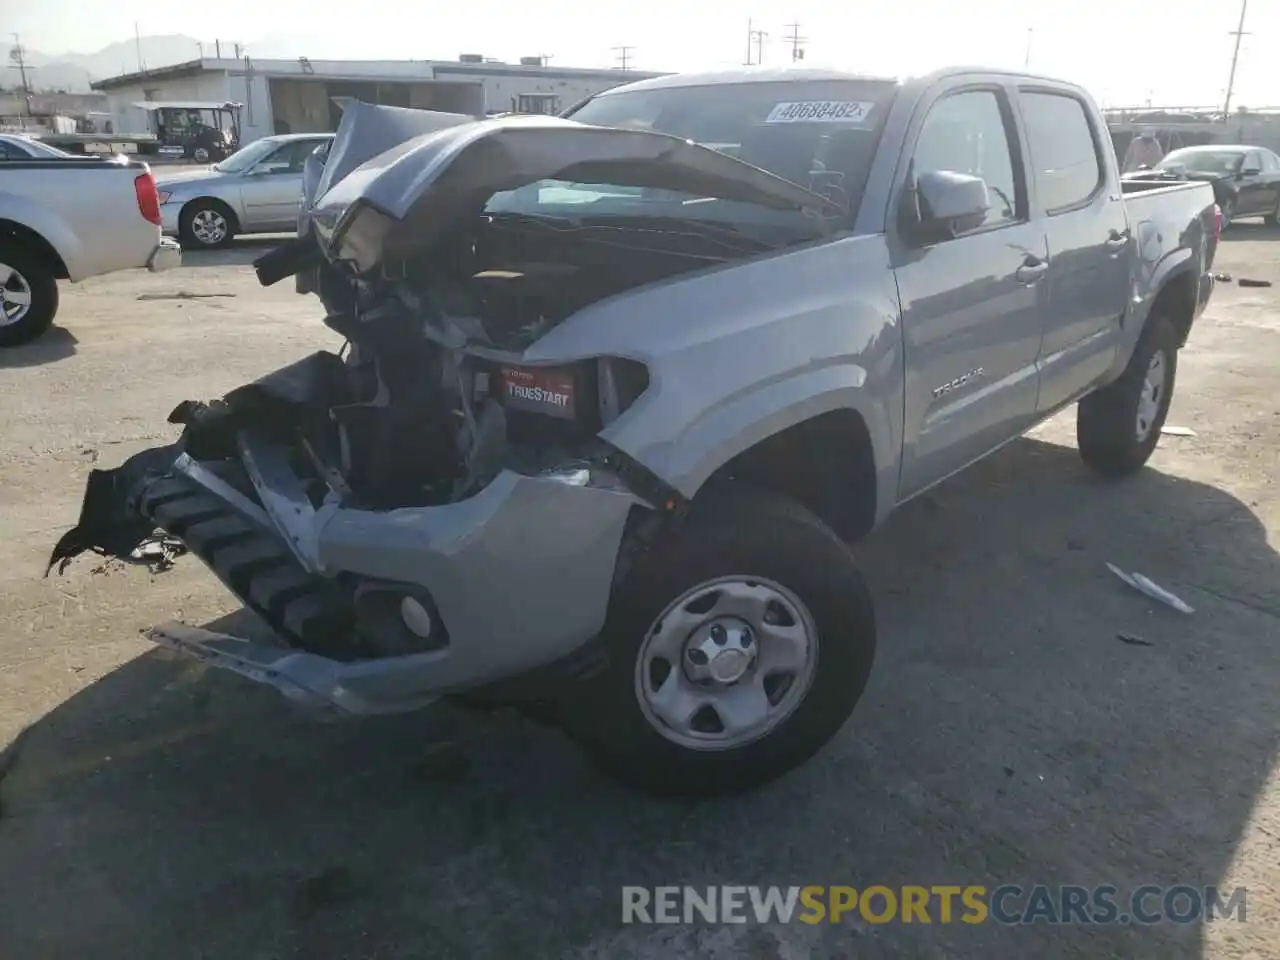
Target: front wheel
x=1118, y=427
x=734, y=650
x=205, y=225
x=1228, y=209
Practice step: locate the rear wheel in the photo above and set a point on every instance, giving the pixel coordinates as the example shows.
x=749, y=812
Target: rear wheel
x=1272, y=219
x=28, y=295
x=734, y=650
x=1118, y=427
x=205, y=225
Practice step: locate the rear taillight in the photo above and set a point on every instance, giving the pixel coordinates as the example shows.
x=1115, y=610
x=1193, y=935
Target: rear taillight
x=144, y=185
x=1217, y=220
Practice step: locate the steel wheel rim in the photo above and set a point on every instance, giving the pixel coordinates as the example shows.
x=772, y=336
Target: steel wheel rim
x=201, y=155
x=1154, y=386
x=209, y=226
x=15, y=295
x=705, y=683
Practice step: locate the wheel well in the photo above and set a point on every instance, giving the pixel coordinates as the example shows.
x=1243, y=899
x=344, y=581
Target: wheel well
x=213, y=202
x=826, y=463
x=29, y=238
x=1176, y=302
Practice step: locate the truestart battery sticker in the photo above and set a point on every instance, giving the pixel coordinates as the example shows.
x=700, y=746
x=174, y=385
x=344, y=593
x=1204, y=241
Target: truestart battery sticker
x=820, y=111
x=546, y=391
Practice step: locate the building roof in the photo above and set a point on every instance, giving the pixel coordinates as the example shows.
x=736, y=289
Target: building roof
x=388, y=70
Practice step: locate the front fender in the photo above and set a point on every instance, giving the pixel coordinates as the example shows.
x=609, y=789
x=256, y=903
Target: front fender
x=49, y=224
x=719, y=434
x=739, y=352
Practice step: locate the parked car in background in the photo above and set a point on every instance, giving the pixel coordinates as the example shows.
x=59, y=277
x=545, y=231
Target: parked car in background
x=1246, y=180
x=258, y=189
x=19, y=146
x=70, y=218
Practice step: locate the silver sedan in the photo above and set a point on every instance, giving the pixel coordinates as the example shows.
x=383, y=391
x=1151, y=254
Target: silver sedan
x=258, y=189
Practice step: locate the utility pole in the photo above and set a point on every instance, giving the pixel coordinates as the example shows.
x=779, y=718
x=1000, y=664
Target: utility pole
x=1235, y=57
x=137, y=44
x=624, y=57
x=754, y=38
x=19, y=56
x=797, y=42
x=1026, y=62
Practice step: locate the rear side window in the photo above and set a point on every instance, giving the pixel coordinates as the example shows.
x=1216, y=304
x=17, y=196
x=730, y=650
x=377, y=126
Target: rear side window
x=1065, y=160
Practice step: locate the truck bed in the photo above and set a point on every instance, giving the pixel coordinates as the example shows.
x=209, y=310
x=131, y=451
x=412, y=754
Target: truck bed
x=1160, y=209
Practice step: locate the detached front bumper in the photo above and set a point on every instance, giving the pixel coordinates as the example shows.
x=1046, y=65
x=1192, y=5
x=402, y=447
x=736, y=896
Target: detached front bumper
x=166, y=256
x=513, y=578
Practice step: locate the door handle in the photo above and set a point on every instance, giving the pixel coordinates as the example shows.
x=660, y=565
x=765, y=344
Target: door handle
x=1117, y=239
x=1032, y=269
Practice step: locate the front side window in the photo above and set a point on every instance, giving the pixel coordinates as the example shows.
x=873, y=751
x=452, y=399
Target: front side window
x=967, y=132
x=1064, y=159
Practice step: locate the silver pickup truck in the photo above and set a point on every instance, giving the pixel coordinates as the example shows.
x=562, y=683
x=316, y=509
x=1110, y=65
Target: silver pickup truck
x=622, y=387
x=71, y=218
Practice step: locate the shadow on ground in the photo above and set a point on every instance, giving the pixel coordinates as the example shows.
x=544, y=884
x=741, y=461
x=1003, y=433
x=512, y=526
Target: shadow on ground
x=1252, y=230
x=56, y=344
x=242, y=251
x=1007, y=736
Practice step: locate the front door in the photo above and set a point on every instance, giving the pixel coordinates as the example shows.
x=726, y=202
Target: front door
x=970, y=305
x=1090, y=243
x=1252, y=187
x=272, y=190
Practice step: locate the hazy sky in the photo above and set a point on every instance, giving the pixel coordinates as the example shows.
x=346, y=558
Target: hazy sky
x=1174, y=52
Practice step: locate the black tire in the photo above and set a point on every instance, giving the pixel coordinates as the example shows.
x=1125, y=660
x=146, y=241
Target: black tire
x=191, y=237
x=33, y=275
x=1272, y=219
x=745, y=534
x=1107, y=429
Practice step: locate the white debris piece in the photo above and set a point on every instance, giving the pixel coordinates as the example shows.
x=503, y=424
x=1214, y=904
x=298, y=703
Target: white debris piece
x=1151, y=589
x=1170, y=431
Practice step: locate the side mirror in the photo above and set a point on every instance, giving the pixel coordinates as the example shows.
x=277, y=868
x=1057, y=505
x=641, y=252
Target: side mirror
x=1250, y=171
x=947, y=204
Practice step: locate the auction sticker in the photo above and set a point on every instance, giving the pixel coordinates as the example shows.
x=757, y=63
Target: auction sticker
x=542, y=390
x=820, y=111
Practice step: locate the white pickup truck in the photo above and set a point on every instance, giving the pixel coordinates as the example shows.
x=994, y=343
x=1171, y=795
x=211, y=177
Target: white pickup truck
x=70, y=218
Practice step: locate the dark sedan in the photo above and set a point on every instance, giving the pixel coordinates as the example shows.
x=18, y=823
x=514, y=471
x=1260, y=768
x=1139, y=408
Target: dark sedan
x=1246, y=180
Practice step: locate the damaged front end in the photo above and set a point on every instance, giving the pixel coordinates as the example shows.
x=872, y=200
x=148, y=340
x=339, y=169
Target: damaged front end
x=430, y=511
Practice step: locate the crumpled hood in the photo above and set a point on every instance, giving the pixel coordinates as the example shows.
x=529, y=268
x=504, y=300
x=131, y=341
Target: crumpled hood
x=416, y=190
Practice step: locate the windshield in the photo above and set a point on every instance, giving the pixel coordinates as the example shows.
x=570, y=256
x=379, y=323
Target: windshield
x=819, y=134
x=1203, y=161
x=246, y=157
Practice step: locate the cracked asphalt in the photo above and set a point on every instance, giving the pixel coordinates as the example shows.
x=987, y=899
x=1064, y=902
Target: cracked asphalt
x=151, y=807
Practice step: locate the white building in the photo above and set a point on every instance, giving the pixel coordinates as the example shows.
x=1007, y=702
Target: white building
x=296, y=96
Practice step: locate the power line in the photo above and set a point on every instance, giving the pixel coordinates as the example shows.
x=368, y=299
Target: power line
x=624, y=56
x=1238, y=33
x=797, y=42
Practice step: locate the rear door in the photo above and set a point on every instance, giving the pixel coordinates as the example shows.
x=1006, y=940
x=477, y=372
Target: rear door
x=1253, y=188
x=1271, y=174
x=1090, y=247
x=970, y=305
x=272, y=190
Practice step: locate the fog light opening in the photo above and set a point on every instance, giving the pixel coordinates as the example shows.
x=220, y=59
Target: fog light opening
x=416, y=617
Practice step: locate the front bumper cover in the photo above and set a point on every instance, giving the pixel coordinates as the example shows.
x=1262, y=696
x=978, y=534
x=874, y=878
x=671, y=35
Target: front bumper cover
x=519, y=575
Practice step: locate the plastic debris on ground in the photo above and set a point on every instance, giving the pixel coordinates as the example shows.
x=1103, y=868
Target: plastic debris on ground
x=1171, y=431
x=1151, y=589
x=1133, y=640
x=1246, y=282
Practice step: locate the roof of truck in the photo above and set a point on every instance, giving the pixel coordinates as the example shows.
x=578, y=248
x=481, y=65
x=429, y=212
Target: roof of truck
x=748, y=75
